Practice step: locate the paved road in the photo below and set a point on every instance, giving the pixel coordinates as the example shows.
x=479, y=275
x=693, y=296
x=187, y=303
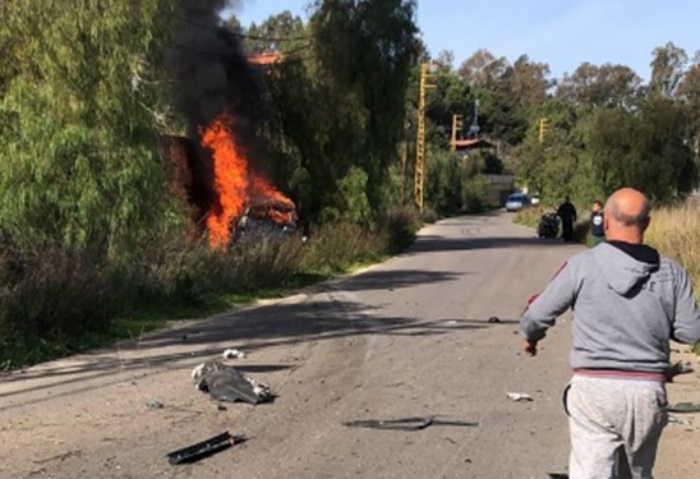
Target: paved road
x=408, y=337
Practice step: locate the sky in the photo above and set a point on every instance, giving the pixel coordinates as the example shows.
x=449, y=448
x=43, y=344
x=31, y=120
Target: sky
x=562, y=33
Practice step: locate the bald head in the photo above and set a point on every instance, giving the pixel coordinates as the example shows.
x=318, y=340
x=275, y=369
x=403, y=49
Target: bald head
x=626, y=216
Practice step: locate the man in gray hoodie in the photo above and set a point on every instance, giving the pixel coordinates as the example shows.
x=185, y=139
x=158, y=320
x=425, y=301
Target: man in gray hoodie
x=627, y=303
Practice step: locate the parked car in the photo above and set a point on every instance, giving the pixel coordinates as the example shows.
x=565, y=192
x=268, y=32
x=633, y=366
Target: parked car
x=517, y=201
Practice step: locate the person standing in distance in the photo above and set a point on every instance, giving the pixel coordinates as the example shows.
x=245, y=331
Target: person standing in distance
x=567, y=213
x=629, y=302
x=597, y=228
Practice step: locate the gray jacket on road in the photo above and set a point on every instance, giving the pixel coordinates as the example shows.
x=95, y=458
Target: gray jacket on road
x=627, y=303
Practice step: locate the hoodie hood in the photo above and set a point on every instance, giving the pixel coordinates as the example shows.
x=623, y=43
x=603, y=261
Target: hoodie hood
x=626, y=266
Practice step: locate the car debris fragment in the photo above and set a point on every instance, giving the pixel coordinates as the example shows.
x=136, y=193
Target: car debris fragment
x=684, y=407
x=226, y=383
x=677, y=420
x=203, y=449
x=519, y=397
x=679, y=368
x=494, y=320
x=155, y=404
x=233, y=354
x=409, y=423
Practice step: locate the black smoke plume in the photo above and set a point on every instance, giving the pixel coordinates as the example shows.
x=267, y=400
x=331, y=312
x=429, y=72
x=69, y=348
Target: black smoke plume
x=210, y=74
x=209, y=68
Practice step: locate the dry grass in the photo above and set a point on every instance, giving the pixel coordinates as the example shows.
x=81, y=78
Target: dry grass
x=675, y=232
x=54, y=303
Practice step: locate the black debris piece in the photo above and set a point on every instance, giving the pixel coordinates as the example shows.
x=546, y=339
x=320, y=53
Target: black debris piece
x=409, y=423
x=204, y=449
x=684, y=407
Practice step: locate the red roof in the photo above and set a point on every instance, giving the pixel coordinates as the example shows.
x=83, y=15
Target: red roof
x=473, y=143
x=266, y=58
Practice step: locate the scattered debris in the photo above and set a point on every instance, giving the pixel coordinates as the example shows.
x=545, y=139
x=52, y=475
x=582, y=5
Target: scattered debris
x=451, y=322
x=226, y=383
x=155, y=404
x=60, y=457
x=679, y=368
x=555, y=475
x=676, y=420
x=684, y=407
x=203, y=449
x=233, y=354
x=494, y=320
x=409, y=423
x=519, y=397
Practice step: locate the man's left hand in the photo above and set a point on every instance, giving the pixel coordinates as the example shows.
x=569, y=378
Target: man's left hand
x=530, y=348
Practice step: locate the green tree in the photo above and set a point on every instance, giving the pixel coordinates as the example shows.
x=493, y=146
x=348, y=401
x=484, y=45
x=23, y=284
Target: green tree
x=79, y=167
x=667, y=69
x=646, y=149
x=367, y=47
x=689, y=96
x=483, y=70
x=278, y=33
x=556, y=167
x=605, y=85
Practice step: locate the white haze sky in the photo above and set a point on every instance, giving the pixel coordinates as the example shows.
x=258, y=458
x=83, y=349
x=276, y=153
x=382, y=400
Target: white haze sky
x=562, y=33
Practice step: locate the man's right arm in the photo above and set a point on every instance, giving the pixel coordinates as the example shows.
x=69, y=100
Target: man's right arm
x=543, y=309
x=686, y=324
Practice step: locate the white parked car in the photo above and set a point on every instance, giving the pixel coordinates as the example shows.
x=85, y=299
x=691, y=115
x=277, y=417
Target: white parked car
x=517, y=201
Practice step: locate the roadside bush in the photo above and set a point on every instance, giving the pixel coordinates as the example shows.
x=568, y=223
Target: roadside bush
x=335, y=247
x=581, y=230
x=55, y=293
x=529, y=216
x=46, y=301
x=401, y=225
x=430, y=215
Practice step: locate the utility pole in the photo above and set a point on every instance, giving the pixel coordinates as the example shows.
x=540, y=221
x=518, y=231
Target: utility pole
x=543, y=127
x=457, y=125
x=420, y=143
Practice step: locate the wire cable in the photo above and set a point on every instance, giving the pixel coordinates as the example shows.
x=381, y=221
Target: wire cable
x=244, y=35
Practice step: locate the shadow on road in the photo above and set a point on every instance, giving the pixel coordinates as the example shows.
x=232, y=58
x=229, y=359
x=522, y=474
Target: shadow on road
x=250, y=330
x=396, y=279
x=321, y=317
x=434, y=244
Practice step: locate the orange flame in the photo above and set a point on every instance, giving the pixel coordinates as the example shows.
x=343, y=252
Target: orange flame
x=230, y=180
x=261, y=188
x=236, y=184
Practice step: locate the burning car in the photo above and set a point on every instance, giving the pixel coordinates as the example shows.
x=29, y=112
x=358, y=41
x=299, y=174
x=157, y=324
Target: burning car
x=268, y=218
x=228, y=196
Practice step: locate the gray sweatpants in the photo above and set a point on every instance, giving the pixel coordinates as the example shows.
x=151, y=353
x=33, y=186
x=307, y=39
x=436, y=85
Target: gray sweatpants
x=606, y=415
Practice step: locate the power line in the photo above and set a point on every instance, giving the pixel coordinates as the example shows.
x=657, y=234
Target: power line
x=246, y=36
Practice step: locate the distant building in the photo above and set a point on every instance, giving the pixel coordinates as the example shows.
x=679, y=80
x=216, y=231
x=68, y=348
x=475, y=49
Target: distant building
x=466, y=146
x=266, y=59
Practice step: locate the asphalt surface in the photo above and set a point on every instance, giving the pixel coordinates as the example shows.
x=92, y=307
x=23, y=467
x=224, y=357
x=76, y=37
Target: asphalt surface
x=409, y=337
